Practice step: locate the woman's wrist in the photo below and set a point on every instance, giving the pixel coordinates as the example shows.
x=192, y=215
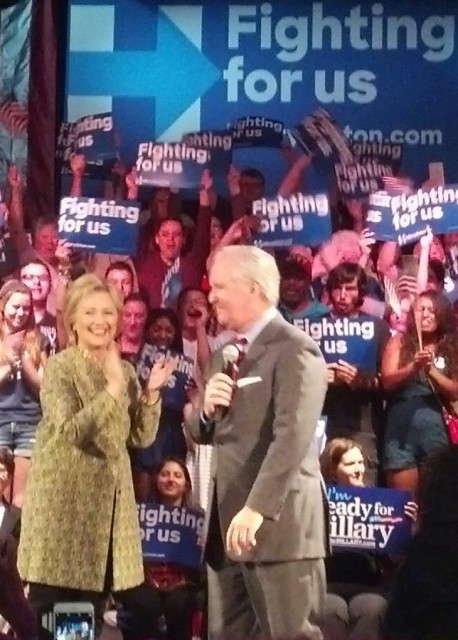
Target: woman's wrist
x=151, y=396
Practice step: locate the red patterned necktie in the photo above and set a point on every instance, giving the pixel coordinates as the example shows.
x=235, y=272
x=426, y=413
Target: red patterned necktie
x=241, y=344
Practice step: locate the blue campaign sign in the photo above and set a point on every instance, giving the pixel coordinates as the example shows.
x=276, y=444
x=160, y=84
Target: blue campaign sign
x=171, y=164
x=369, y=519
x=404, y=218
x=65, y=145
x=94, y=137
x=174, y=393
x=219, y=144
x=387, y=153
x=171, y=534
x=351, y=339
x=102, y=226
x=359, y=179
x=164, y=69
x=298, y=219
x=258, y=132
x=319, y=135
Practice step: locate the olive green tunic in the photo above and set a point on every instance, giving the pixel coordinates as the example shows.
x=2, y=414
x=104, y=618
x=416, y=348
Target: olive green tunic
x=80, y=483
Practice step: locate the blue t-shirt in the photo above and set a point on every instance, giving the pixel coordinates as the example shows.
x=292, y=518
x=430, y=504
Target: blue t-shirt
x=313, y=311
x=18, y=403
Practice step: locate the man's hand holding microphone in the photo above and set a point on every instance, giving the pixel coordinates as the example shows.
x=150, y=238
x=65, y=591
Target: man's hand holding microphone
x=220, y=388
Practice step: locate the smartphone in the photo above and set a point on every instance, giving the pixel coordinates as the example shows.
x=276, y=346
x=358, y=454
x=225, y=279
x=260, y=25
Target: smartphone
x=436, y=172
x=73, y=621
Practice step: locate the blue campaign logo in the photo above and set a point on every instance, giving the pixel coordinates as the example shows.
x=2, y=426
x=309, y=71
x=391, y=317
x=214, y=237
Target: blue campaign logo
x=350, y=339
x=171, y=164
x=405, y=218
x=298, y=219
x=369, y=519
x=171, y=534
x=359, y=179
x=102, y=226
x=174, y=393
x=139, y=55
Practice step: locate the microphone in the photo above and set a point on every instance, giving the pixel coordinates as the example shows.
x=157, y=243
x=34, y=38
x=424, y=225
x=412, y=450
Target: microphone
x=231, y=355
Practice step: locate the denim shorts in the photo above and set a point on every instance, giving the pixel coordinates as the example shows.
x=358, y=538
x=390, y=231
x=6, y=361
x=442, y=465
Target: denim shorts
x=18, y=437
x=414, y=430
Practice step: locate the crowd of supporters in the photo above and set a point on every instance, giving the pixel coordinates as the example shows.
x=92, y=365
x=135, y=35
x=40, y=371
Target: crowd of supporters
x=383, y=428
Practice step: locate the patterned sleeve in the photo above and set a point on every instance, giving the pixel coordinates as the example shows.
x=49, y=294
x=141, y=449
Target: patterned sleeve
x=144, y=418
x=64, y=415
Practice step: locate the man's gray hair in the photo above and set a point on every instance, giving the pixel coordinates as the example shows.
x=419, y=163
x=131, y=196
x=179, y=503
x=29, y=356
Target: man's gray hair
x=253, y=264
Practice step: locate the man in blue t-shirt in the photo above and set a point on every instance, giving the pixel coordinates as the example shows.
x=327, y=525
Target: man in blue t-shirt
x=296, y=302
x=354, y=401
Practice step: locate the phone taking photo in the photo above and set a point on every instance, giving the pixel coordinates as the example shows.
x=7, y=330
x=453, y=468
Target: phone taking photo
x=74, y=621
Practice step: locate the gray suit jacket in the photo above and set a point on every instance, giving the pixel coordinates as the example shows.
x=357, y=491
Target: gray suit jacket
x=264, y=454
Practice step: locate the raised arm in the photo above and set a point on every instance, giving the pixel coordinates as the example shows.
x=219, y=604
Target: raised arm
x=292, y=182
x=201, y=245
x=77, y=165
x=238, y=204
x=387, y=259
x=423, y=261
x=16, y=214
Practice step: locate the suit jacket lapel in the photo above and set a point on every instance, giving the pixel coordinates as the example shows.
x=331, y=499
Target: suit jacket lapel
x=259, y=346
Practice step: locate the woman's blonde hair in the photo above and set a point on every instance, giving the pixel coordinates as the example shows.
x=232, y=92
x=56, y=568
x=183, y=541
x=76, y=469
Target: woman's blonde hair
x=32, y=339
x=332, y=455
x=84, y=286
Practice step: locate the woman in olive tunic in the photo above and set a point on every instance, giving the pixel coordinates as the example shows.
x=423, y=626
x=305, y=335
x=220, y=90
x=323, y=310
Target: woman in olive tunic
x=80, y=533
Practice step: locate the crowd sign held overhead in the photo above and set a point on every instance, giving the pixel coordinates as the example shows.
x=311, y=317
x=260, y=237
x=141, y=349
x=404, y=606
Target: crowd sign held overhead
x=386, y=153
x=257, y=132
x=171, y=164
x=320, y=136
x=92, y=136
x=218, y=143
x=405, y=218
x=102, y=226
x=65, y=145
x=369, y=519
x=358, y=180
x=297, y=219
x=171, y=535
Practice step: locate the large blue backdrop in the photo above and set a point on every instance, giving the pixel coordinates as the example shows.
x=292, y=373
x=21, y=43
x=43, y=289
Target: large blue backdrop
x=385, y=70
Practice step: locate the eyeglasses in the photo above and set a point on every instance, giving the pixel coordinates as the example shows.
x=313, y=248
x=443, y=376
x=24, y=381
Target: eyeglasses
x=31, y=278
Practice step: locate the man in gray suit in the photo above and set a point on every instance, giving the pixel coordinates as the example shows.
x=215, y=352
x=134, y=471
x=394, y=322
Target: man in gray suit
x=266, y=533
